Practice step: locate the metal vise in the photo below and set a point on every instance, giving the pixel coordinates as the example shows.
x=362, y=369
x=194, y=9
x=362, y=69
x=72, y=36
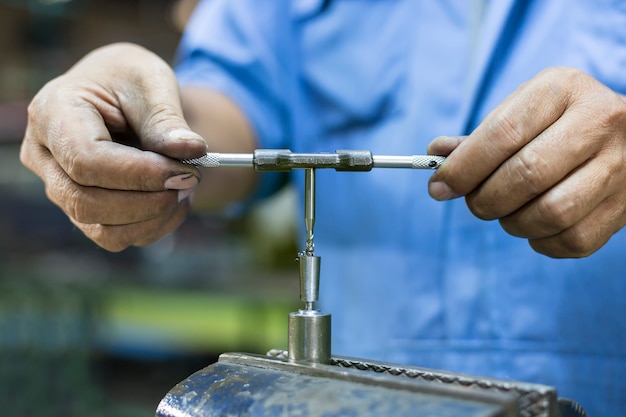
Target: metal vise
x=248, y=385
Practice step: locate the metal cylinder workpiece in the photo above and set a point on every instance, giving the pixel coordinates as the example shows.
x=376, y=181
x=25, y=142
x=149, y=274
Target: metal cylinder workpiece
x=309, y=336
x=309, y=279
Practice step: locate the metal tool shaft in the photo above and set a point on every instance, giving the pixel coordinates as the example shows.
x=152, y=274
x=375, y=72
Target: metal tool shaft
x=309, y=209
x=345, y=160
x=309, y=263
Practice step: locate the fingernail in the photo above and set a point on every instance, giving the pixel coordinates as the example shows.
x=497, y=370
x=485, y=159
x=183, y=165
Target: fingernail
x=181, y=182
x=184, y=134
x=183, y=194
x=440, y=191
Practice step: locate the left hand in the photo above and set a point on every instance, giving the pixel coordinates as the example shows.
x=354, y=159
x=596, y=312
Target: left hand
x=549, y=163
x=105, y=138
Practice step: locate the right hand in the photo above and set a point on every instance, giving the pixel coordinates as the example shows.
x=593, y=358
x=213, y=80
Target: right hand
x=99, y=137
x=552, y=164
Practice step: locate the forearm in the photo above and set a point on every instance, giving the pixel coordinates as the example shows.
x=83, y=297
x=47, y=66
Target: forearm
x=226, y=129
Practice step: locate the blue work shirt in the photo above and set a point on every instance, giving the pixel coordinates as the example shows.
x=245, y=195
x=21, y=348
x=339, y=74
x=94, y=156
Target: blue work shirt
x=409, y=279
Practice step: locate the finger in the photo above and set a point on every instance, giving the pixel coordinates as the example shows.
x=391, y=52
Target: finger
x=586, y=236
x=535, y=168
x=534, y=106
x=93, y=205
x=565, y=204
x=99, y=205
x=444, y=145
x=149, y=98
x=73, y=116
x=82, y=146
x=116, y=238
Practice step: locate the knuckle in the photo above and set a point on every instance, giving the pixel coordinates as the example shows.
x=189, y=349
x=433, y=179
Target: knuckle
x=614, y=115
x=556, y=214
x=576, y=243
x=82, y=206
x=35, y=108
x=75, y=166
x=525, y=168
x=76, y=206
x=544, y=217
x=561, y=78
x=73, y=199
x=79, y=166
x=27, y=157
x=161, y=113
x=558, y=84
x=64, y=197
x=524, y=182
x=509, y=133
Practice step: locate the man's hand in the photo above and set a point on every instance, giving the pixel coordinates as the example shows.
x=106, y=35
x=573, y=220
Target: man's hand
x=100, y=137
x=549, y=163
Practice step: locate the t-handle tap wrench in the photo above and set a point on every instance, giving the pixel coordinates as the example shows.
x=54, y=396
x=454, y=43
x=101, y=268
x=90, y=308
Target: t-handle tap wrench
x=309, y=328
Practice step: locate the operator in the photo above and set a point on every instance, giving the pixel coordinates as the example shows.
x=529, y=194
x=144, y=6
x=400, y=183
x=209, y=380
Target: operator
x=529, y=98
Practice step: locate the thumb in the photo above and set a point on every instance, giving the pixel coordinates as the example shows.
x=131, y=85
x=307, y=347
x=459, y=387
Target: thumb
x=164, y=130
x=438, y=187
x=150, y=100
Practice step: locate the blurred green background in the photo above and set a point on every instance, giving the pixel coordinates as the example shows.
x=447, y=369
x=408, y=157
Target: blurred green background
x=84, y=332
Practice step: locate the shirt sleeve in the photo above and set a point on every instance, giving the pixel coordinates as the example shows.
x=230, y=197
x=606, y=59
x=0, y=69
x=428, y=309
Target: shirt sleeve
x=244, y=49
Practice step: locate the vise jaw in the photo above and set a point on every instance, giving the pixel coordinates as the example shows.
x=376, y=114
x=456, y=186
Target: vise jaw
x=262, y=386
